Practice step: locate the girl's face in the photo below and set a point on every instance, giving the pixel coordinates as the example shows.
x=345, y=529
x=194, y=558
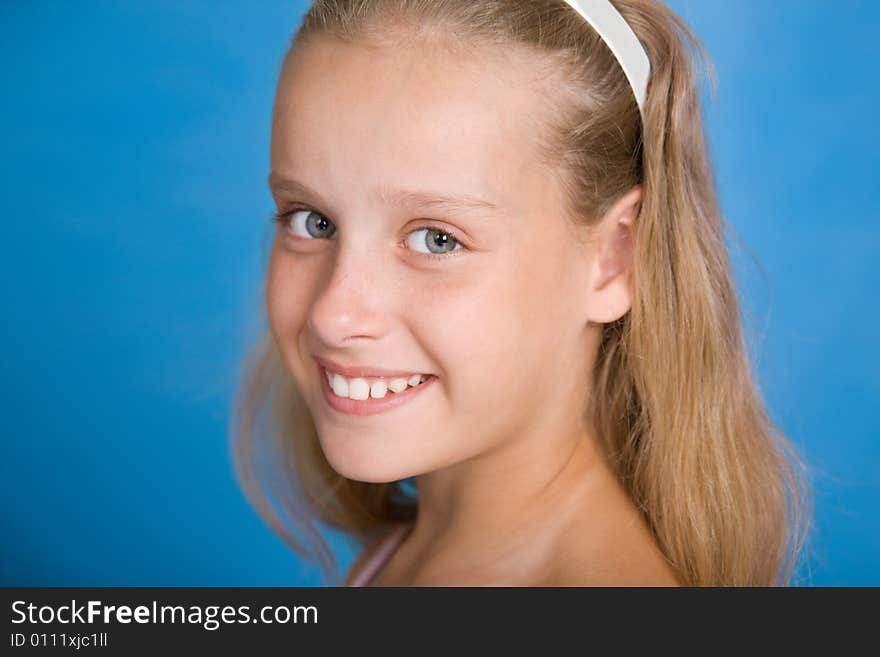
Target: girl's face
x=491, y=297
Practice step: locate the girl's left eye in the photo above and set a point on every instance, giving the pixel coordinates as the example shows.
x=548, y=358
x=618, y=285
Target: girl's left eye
x=309, y=224
x=435, y=238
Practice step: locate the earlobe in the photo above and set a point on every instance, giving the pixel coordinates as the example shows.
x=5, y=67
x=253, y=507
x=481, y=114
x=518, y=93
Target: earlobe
x=612, y=291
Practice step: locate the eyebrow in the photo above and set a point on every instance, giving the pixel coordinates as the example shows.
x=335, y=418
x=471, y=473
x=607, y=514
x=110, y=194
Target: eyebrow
x=399, y=197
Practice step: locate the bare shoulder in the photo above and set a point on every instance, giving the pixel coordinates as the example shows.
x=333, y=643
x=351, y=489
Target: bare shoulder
x=625, y=556
x=616, y=575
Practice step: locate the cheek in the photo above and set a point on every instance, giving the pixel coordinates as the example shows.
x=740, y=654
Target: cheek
x=509, y=329
x=288, y=288
x=480, y=327
x=490, y=366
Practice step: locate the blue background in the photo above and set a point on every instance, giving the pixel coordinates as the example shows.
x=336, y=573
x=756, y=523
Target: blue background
x=135, y=140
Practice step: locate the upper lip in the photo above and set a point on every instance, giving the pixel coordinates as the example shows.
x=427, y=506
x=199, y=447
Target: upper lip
x=352, y=371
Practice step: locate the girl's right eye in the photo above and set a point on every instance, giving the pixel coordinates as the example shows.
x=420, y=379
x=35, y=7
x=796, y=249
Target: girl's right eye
x=306, y=223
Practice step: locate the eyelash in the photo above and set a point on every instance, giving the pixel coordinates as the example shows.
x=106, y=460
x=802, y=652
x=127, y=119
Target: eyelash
x=284, y=219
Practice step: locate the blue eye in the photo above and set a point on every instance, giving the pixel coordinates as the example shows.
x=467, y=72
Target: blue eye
x=435, y=238
x=308, y=224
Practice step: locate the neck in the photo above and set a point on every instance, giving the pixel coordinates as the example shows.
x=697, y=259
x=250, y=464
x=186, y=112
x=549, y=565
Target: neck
x=503, y=511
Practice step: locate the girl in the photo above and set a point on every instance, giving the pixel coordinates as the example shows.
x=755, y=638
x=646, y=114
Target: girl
x=499, y=273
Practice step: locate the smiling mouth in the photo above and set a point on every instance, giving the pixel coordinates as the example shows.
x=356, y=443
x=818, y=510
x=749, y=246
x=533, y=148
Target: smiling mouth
x=362, y=399
x=362, y=388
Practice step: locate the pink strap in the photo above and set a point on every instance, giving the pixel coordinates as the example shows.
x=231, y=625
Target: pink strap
x=381, y=556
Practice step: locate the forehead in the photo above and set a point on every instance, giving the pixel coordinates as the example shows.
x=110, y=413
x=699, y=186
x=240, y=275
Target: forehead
x=419, y=116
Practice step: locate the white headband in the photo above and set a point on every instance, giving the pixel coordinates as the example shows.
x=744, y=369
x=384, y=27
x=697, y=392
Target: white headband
x=619, y=37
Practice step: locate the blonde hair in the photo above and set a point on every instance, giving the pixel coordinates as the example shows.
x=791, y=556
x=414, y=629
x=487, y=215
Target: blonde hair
x=674, y=401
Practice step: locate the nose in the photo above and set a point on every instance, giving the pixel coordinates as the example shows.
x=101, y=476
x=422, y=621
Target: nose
x=353, y=301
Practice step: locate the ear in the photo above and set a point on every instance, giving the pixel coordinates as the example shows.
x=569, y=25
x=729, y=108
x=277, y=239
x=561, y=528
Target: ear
x=611, y=291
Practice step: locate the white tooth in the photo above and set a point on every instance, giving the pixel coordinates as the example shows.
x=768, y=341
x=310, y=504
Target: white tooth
x=358, y=389
x=329, y=376
x=415, y=379
x=339, y=385
x=378, y=390
x=397, y=385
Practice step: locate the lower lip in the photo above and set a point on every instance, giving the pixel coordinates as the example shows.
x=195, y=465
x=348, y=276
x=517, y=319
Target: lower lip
x=370, y=406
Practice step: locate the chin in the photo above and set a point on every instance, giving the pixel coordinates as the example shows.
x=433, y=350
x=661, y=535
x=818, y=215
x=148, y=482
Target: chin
x=359, y=464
